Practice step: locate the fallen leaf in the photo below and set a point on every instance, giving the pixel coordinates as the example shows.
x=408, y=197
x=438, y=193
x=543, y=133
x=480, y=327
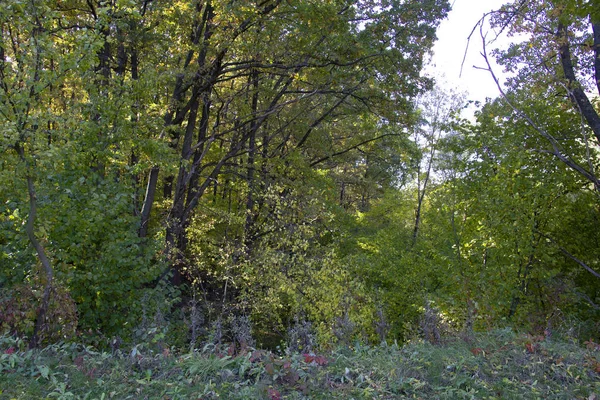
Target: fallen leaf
x=530, y=348
x=477, y=351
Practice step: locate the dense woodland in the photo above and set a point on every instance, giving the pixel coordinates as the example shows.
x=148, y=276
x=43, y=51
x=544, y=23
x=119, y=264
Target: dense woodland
x=267, y=171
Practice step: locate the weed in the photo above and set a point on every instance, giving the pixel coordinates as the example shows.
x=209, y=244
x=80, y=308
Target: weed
x=241, y=327
x=196, y=321
x=498, y=364
x=301, y=337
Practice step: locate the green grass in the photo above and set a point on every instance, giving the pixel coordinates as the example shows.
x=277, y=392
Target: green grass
x=497, y=365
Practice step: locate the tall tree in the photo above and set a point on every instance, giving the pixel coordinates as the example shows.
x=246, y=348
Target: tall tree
x=438, y=108
x=558, y=61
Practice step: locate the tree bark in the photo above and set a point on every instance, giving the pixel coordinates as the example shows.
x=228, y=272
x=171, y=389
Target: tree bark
x=176, y=113
x=575, y=90
x=250, y=181
x=596, y=31
x=148, y=201
x=40, y=319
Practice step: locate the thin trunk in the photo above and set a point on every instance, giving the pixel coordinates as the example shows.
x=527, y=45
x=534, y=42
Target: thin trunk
x=175, y=234
x=523, y=284
x=250, y=181
x=103, y=67
x=134, y=119
x=148, y=201
x=30, y=226
x=134, y=65
x=421, y=196
x=2, y=56
x=102, y=81
x=121, y=54
x=422, y=191
x=201, y=146
x=524, y=278
x=135, y=182
x=40, y=319
x=168, y=187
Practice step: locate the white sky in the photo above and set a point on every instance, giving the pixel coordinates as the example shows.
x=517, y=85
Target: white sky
x=450, y=48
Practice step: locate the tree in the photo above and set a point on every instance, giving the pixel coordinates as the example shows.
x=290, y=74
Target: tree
x=69, y=125
x=558, y=62
x=496, y=219
x=27, y=74
x=438, y=108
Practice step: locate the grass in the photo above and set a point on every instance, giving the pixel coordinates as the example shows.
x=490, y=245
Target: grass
x=496, y=365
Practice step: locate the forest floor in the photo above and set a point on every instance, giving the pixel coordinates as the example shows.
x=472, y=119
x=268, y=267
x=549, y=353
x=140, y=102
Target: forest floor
x=495, y=365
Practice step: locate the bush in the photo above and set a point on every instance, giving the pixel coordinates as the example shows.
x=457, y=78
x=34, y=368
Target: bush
x=18, y=312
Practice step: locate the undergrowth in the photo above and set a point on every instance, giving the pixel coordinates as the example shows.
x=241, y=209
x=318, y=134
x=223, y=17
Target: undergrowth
x=496, y=365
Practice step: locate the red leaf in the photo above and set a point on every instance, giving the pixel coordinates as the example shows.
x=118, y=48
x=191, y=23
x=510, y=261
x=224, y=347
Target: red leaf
x=231, y=350
x=273, y=394
x=320, y=360
x=476, y=351
x=10, y=350
x=308, y=358
x=530, y=348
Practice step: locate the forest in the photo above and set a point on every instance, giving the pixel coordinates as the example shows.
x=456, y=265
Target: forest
x=266, y=173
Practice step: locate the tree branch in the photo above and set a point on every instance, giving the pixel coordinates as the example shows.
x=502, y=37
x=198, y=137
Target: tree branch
x=356, y=146
x=556, y=149
x=576, y=92
x=569, y=255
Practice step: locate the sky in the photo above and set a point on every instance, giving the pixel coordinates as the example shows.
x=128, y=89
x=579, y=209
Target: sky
x=450, y=48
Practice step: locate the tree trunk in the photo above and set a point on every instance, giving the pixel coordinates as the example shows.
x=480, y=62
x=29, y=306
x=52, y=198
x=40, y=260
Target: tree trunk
x=596, y=30
x=576, y=92
x=40, y=318
x=175, y=115
x=148, y=201
x=250, y=181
